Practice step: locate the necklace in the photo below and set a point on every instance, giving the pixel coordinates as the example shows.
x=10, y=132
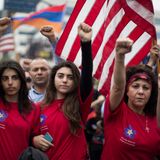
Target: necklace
x=147, y=129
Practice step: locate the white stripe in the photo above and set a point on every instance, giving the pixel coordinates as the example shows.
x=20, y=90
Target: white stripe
x=6, y=42
x=73, y=33
x=7, y=36
x=108, y=33
x=105, y=71
x=7, y=47
x=138, y=45
x=99, y=20
x=141, y=10
x=125, y=32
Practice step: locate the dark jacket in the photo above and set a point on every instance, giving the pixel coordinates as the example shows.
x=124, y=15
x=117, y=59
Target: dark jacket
x=32, y=153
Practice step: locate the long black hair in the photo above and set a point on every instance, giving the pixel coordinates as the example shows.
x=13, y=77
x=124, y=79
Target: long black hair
x=24, y=104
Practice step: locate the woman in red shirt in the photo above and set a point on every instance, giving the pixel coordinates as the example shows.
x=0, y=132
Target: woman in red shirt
x=66, y=105
x=130, y=124
x=19, y=118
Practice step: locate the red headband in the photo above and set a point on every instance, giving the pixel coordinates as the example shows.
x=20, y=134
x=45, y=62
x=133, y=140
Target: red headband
x=139, y=76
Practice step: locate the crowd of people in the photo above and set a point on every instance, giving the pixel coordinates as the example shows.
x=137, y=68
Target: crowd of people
x=56, y=113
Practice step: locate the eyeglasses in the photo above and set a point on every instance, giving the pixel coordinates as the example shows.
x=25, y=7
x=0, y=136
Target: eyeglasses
x=28, y=79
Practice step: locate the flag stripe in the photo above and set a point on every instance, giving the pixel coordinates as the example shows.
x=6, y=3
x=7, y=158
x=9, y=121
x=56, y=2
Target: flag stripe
x=70, y=45
x=111, y=33
x=110, y=19
x=140, y=15
x=108, y=67
x=68, y=28
x=98, y=34
x=7, y=41
x=106, y=76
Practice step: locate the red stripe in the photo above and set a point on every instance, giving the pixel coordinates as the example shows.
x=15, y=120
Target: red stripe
x=136, y=18
x=142, y=26
x=109, y=46
x=6, y=38
x=7, y=49
x=3, y=38
x=93, y=13
x=68, y=27
x=106, y=86
x=141, y=54
x=74, y=50
x=6, y=43
x=147, y=4
x=99, y=38
x=137, y=59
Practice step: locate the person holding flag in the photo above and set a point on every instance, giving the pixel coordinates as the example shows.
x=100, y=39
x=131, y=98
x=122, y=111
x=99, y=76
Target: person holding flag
x=130, y=123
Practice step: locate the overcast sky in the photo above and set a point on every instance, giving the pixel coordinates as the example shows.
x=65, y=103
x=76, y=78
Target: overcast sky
x=156, y=4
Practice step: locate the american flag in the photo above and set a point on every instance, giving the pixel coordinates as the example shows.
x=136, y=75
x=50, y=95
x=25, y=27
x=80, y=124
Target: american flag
x=110, y=19
x=7, y=41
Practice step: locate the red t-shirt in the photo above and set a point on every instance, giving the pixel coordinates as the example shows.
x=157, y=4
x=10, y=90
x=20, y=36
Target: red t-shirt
x=66, y=145
x=15, y=131
x=126, y=137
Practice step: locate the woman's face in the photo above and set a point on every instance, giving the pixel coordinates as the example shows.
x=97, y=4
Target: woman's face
x=138, y=93
x=11, y=84
x=64, y=81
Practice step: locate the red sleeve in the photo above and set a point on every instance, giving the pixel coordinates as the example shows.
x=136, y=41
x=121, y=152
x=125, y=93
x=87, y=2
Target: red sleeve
x=107, y=111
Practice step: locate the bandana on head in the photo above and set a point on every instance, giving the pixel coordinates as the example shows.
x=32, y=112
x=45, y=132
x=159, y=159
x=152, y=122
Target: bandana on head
x=137, y=76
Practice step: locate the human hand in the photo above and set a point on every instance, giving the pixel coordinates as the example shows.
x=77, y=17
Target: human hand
x=48, y=32
x=41, y=143
x=123, y=46
x=154, y=54
x=85, y=32
x=4, y=23
x=25, y=63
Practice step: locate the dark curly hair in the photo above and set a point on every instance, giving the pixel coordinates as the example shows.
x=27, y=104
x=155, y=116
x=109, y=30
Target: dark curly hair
x=150, y=108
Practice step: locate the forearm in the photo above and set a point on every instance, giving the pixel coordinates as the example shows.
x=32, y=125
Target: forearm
x=98, y=101
x=123, y=46
x=87, y=67
x=119, y=73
